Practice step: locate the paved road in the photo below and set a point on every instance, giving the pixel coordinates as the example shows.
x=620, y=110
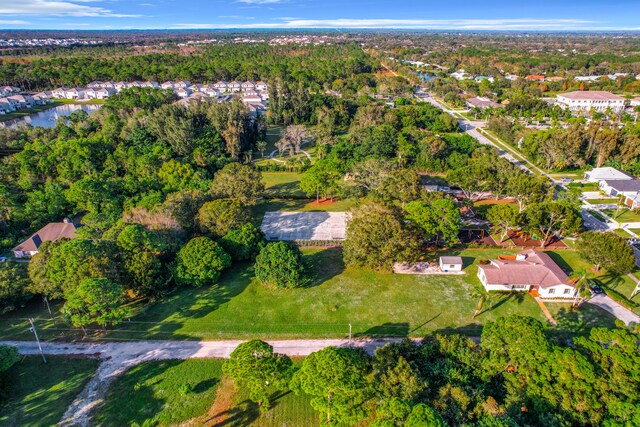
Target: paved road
x=117, y=357
x=593, y=223
x=619, y=311
x=471, y=127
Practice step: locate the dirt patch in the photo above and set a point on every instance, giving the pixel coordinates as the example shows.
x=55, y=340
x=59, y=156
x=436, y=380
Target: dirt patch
x=524, y=240
x=323, y=202
x=222, y=405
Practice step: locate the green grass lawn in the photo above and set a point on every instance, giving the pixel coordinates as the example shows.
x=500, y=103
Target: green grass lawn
x=39, y=393
x=587, y=186
x=162, y=393
x=602, y=201
x=625, y=215
x=282, y=185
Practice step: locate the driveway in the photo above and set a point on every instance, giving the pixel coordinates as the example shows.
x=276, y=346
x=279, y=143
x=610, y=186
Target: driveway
x=618, y=310
x=117, y=357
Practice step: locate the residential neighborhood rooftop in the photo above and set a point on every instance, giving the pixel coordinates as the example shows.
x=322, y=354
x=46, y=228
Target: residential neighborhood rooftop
x=49, y=233
x=598, y=95
x=528, y=267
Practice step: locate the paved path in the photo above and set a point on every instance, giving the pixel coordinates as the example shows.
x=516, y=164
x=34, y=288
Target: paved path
x=618, y=310
x=117, y=357
x=546, y=311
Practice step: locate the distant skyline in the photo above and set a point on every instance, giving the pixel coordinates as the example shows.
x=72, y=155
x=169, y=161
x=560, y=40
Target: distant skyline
x=542, y=15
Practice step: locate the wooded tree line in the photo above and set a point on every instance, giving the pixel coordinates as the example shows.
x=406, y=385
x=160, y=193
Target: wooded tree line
x=518, y=375
x=313, y=66
x=577, y=145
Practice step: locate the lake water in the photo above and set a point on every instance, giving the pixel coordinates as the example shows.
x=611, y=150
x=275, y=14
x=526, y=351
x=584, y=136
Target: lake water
x=47, y=118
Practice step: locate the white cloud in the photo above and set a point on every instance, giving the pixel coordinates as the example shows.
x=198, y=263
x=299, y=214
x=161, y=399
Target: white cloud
x=56, y=8
x=435, y=24
x=13, y=22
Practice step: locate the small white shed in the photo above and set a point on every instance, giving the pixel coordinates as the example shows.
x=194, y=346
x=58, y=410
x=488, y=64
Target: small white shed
x=450, y=263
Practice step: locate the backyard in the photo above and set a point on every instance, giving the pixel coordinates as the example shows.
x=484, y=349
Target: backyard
x=373, y=303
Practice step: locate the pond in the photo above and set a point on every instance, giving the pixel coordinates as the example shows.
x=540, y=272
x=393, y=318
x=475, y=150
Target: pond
x=47, y=118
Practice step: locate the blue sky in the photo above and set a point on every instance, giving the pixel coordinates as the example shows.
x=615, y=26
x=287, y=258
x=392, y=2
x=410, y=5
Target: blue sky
x=539, y=15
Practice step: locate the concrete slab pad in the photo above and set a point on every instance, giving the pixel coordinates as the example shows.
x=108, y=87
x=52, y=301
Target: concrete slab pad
x=305, y=225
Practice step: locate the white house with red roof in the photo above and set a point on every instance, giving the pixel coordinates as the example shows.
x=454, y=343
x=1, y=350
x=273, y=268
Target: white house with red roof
x=529, y=270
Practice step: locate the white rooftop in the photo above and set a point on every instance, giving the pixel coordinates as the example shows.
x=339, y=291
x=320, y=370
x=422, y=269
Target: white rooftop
x=305, y=225
x=606, y=173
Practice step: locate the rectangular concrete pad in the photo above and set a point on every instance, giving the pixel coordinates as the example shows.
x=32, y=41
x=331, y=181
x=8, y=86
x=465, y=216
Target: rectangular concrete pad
x=305, y=225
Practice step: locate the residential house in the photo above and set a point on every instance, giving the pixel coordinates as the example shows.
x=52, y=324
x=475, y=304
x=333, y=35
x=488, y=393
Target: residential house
x=248, y=85
x=212, y=92
x=620, y=187
x=512, y=77
x=23, y=101
x=104, y=93
x=554, y=79
x=633, y=202
x=182, y=84
x=482, y=103
x=150, y=84
x=95, y=85
x=478, y=79
x=459, y=75
x=450, y=263
x=529, y=270
x=7, y=106
x=41, y=98
x=586, y=78
x=261, y=86
x=251, y=92
x=49, y=233
x=586, y=100
x=605, y=174
x=119, y=86
x=167, y=85
x=74, y=93
x=256, y=109
x=59, y=93
x=183, y=92
x=9, y=90
x=222, y=86
x=251, y=99
x=535, y=78
x=234, y=86
x=635, y=102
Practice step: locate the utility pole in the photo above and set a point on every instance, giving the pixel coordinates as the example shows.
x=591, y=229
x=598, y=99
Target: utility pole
x=33, y=329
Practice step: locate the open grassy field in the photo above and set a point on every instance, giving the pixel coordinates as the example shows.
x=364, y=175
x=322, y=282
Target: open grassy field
x=161, y=393
x=39, y=393
x=374, y=303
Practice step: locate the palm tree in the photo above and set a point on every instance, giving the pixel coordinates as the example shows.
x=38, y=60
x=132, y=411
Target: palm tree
x=582, y=281
x=483, y=297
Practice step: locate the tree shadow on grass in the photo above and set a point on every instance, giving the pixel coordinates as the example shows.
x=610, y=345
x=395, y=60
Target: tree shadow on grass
x=323, y=265
x=245, y=412
x=385, y=330
x=580, y=321
x=285, y=190
x=163, y=319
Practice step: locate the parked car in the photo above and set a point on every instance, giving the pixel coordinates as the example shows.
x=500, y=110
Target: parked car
x=566, y=180
x=596, y=289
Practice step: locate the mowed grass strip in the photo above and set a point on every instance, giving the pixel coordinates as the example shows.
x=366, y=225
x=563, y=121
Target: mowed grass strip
x=38, y=393
x=161, y=393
